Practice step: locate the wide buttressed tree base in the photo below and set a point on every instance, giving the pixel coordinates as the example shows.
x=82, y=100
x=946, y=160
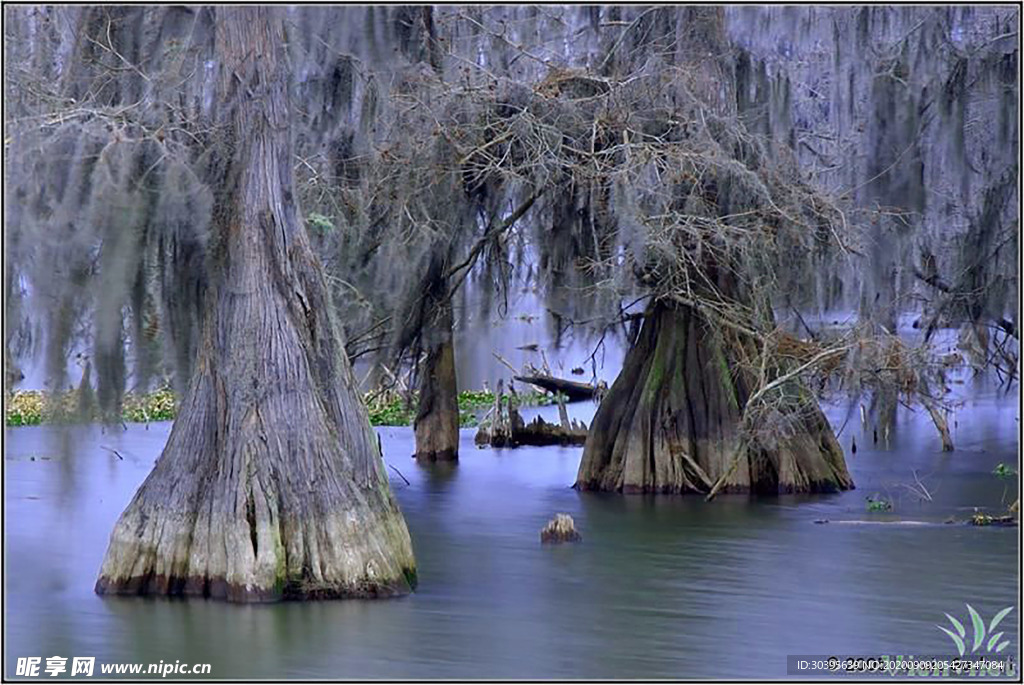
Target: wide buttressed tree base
x=271, y=485
x=671, y=422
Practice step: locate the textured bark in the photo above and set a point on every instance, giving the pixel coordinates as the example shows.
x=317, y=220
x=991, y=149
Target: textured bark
x=560, y=529
x=271, y=484
x=12, y=374
x=941, y=425
x=437, y=419
x=670, y=422
x=497, y=430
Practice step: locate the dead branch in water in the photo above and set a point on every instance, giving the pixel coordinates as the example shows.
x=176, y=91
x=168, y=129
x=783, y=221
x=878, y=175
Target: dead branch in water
x=918, y=488
x=401, y=475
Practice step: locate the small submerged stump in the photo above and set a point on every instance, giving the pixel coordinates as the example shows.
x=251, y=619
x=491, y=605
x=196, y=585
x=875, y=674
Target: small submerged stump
x=560, y=529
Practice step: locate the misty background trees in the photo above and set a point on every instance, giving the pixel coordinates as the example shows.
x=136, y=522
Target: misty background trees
x=838, y=163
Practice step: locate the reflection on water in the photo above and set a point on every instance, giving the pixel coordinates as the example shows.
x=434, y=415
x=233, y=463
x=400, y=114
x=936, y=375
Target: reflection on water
x=659, y=587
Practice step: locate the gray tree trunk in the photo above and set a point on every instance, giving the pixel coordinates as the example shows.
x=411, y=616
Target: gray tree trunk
x=271, y=484
x=670, y=422
x=437, y=418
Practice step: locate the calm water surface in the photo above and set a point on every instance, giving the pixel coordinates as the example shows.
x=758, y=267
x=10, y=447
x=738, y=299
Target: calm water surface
x=660, y=587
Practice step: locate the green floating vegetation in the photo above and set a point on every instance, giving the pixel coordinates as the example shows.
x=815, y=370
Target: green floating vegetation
x=24, y=409
x=981, y=519
x=877, y=503
x=1003, y=472
x=394, y=410
x=34, y=407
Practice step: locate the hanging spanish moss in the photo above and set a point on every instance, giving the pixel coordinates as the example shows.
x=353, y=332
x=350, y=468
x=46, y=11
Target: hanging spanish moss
x=667, y=168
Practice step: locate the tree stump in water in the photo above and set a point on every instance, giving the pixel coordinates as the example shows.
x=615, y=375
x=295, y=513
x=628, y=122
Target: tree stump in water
x=506, y=427
x=540, y=433
x=560, y=529
x=670, y=422
x=496, y=430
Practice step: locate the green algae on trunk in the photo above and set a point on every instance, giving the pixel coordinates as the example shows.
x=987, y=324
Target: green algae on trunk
x=671, y=422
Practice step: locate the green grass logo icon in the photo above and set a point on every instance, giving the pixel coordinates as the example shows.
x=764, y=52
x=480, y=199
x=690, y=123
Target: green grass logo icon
x=960, y=635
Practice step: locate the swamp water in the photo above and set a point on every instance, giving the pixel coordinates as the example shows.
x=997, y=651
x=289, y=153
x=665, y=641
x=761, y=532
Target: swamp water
x=659, y=587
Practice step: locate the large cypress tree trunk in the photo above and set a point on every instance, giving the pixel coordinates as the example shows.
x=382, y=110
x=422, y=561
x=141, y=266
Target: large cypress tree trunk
x=670, y=422
x=437, y=418
x=271, y=484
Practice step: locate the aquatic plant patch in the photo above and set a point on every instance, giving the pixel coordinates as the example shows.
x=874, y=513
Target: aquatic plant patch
x=34, y=407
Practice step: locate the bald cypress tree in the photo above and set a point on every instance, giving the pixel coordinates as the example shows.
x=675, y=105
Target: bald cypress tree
x=679, y=416
x=271, y=484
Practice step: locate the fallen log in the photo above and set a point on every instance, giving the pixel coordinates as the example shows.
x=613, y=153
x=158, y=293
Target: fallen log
x=573, y=390
x=976, y=520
